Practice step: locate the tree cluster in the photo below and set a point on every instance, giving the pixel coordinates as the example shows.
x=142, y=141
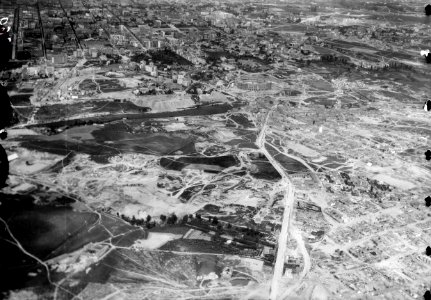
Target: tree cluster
x=149, y=222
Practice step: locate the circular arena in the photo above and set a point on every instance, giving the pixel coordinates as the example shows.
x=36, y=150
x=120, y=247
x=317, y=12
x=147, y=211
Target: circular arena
x=254, y=83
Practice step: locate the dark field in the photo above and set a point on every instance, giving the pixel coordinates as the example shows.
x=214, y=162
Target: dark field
x=194, y=111
x=24, y=113
x=20, y=99
x=404, y=19
x=168, y=57
x=105, y=85
x=189, y=192
x=99, y=153
x=180, y=163
x=241, y=143
x=161, y=143
x=332, y=166
x=291, y=27
x=335, y=159
x=26, y=91
x=290, y=165
x=242, y=120
x=58, y=111
x=265, y=170
x=111, y=140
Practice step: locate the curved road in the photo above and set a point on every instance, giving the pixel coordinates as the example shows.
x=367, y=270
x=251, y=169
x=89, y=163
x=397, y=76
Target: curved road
x=286, y=227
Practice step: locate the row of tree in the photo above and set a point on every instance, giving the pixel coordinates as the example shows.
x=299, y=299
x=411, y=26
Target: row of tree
x=149, y=222
x=196, y=220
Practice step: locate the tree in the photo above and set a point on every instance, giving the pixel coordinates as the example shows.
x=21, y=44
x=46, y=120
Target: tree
x=215, y=221
x=148, y=218
x=172, y=219
x=428, y=251
x=4, y=167
x=5, y=46
x=162, y=218
x=6, y=111
x=185, y=219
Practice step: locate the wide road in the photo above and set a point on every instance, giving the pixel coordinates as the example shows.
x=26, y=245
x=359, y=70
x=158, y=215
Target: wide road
x=286, y=227
x=78, y=43
x=42, y=33
x=127, y=29
x=288, y=200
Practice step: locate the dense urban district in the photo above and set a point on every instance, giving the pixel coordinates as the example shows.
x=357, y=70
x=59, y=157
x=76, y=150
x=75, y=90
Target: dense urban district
x=217, y=150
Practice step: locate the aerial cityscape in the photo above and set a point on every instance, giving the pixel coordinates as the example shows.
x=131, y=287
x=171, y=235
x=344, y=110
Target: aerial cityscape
x=196, y=149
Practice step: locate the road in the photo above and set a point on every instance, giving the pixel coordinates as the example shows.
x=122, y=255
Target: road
x=288, y=200
x=286, y=227
x=15, y=31
x=296, y=234
x=71, y=25
x=127, y=29
x=42, y=33
x=101, y=26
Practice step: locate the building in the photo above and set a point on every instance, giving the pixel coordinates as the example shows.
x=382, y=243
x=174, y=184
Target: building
x=78, y=53
x=157, y=23
x=93, y=52
x=49, y=71
x=59, y=59
x=147, y=44
x=118, y=39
